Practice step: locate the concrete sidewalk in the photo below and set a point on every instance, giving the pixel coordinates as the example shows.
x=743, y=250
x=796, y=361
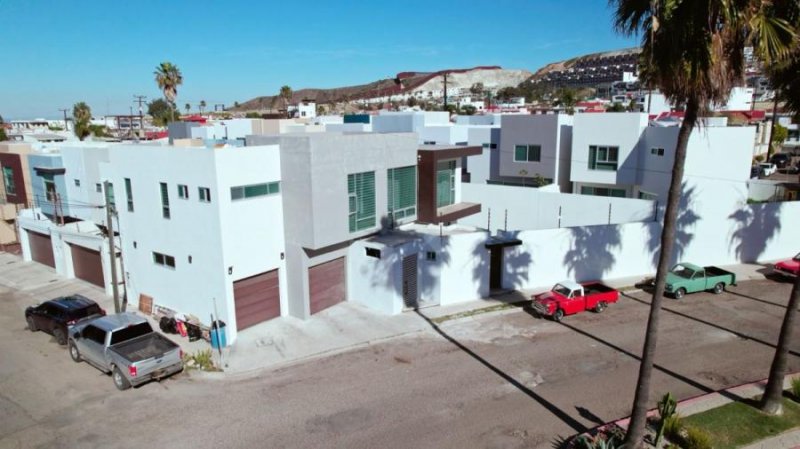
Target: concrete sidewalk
x=289, y=340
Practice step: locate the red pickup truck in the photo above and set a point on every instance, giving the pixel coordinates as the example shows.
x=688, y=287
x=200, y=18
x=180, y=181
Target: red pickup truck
x=568, y=297
x=789, y=268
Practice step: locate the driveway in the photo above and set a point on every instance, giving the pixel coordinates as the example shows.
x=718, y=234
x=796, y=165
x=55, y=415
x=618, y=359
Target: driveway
x=506, y=380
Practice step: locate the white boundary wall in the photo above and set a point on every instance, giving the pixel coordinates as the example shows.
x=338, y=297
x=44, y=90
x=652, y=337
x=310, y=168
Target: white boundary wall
x=530, y=208
x=756, y=232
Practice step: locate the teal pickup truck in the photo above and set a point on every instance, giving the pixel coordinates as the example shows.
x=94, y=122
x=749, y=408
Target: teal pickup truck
x=689, y=278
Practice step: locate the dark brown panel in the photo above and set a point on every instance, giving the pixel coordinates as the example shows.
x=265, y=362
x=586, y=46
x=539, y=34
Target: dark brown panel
x=326, y=284
x=41, y=249
x=88, y=265
x=496, y=268
x=13, y=161
x=257, y=299
x=426, y=193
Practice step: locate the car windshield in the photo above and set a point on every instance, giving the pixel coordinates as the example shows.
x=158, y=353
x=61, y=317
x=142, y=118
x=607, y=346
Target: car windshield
x=683, y=272
x=797, y=257
x=561, y=290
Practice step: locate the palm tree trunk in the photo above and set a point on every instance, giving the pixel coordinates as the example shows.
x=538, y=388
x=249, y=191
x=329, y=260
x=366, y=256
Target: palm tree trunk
x=636, y=428
x=772, y=123
x=772, y=401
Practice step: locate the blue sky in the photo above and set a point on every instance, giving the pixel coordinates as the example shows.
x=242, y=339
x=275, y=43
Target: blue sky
x=56, y=53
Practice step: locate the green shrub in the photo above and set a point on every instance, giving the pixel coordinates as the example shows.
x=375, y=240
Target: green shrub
x=666, y=410
x=202, y=360
x=697, y=439
x=672, y=427
x=795, y=388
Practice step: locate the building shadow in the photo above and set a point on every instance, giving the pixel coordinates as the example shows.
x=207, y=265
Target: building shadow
x=591, y=253
x=680, y=377
x=708, y=323
x=754, y=225
x=687, y=218
x=549, y=406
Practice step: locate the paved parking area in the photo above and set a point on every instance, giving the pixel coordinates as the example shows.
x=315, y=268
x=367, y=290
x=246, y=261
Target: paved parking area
x=496, y=380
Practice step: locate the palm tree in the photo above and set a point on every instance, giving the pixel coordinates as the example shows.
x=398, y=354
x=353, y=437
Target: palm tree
x=188, y=108
x=693, y=50
x=81, y=119
x=286, y=96
x=168, y=78
x=784, y=79
x=202, y=106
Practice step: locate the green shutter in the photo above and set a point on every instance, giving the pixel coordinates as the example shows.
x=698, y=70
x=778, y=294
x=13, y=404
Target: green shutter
x=129, y=194
x=592, y=157
x=520, y=153
x=445, y=183
x=361, y=191
x=255, y=190
x=402, y=191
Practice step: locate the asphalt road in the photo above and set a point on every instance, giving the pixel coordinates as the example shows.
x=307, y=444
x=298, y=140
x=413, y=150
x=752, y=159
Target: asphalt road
x=495, y=381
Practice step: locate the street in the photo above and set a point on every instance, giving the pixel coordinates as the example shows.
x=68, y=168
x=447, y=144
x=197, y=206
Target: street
x=496, y=380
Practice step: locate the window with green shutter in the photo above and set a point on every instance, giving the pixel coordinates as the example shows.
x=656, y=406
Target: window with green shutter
x=254, y=190
x=603, y=158
x=445, y=183
x=402, y=190
x=129, y=194
x=527, y=153
x=361, y=200
x=8, y=180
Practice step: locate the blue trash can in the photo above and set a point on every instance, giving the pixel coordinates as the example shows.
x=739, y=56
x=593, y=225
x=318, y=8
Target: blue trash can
x=218, y=335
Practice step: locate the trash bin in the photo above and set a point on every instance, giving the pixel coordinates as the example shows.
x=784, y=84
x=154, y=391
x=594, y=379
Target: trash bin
x=218, y=334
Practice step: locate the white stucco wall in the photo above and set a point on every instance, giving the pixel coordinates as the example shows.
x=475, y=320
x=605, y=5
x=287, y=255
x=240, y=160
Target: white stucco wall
x=82, y=163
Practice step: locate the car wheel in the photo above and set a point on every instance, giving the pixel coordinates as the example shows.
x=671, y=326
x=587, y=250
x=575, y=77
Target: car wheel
x=119, y=379
x=558, y=315
x=74, y=353
x=719, y=288
x=31, y=324
x=600, y=306
x=680, y=293
x=60, y=336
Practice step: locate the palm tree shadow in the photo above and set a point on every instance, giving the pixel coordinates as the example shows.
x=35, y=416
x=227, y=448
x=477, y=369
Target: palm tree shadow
x=754, y=226
x=686, y=220
x=514, y=266
x=549, y=406
x=591, y=252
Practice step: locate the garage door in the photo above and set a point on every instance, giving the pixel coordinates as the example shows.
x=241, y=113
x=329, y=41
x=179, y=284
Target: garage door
x=88, y=265
x=257, y=299
x=326, y=284
x=41, y=249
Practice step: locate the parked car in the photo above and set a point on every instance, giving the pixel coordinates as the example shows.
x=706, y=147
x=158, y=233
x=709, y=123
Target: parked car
x=788, y=268
x=781, y=160
x=568, y=297
x=689, y=278
x=56, y=316
x=125, y=346
x=767, y=168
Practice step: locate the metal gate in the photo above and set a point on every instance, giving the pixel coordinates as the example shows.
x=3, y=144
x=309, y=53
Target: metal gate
x=41, y=249
x=410, y=293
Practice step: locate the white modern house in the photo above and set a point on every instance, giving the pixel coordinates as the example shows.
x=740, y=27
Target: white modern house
x=201, y=227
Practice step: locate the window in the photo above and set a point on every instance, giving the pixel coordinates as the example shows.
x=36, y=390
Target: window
x=77, y=182
x=98, y=188
x=164, y=200
x=163, y=260
x=445, y=183
x=527, y=153
x=255, y=190
x=603, y=158
x=129, y=194
x=657, y=151
x=204, y=193
x=95, y=334
x=602, y=191
x=402, y=189
x=430, y=255
x=361, y=200
x=50, y=189
x=490, y=145
x=110, y=194
x=183, y=191
x=373, y=252
x=647, y=196
x=8, y=180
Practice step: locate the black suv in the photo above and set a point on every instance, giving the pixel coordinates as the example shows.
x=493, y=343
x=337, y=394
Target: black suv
x=56, y=315
x=781, y=160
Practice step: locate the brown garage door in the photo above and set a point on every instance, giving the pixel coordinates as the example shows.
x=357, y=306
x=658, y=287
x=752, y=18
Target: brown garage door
x=257, y=299
x=326, y=284
x=41, y=249
x=88, y=265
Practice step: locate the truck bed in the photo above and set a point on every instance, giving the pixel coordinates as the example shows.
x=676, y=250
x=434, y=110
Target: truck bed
x=144, y=347
x=716, y=271
x=594, y=288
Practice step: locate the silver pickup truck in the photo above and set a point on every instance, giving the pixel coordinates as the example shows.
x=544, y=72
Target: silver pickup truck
x=126, y=346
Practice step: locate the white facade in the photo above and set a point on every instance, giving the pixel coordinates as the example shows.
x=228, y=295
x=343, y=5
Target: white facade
x=553, y=136
x=214, y=243
x=83, y=180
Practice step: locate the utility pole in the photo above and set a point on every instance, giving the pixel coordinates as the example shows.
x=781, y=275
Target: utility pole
x=66, y=126
x=445, y=90
x=112, y=247
x=140, y=99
